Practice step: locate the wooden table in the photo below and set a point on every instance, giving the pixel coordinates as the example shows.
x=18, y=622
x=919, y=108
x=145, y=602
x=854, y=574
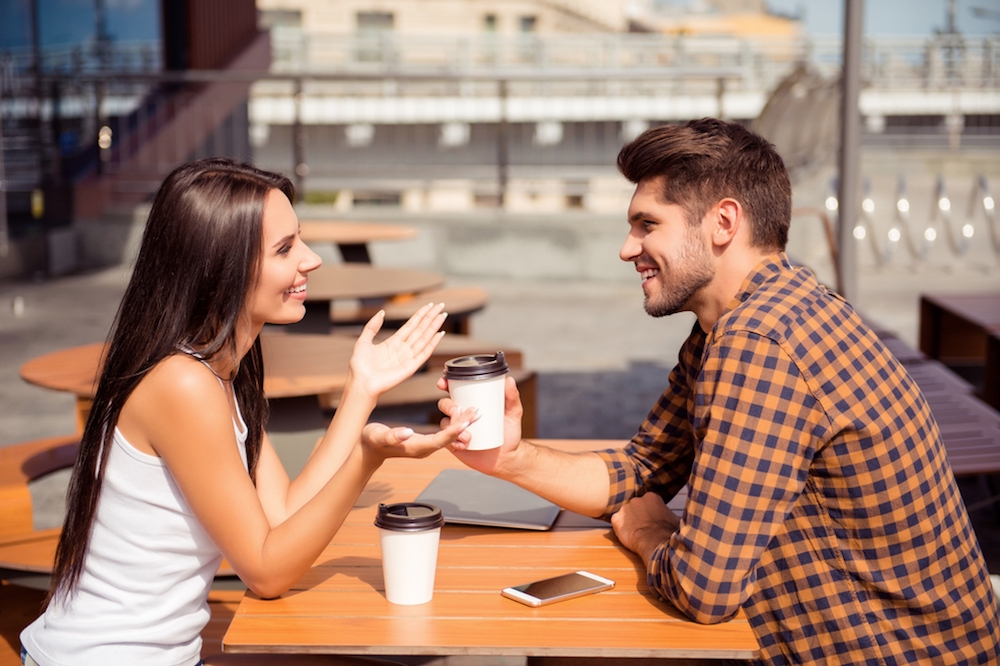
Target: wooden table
x=957, y=329
x=357, y=282
x=352, y=238
x=294, y=366
x=338, y=606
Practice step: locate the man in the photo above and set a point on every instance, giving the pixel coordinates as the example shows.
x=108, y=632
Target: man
x=820, y=499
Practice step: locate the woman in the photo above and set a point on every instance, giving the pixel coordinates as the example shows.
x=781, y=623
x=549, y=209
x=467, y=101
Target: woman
x=175, y=470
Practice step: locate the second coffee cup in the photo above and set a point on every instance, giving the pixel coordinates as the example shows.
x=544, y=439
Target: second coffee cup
x=408, y=538
x=478, y=381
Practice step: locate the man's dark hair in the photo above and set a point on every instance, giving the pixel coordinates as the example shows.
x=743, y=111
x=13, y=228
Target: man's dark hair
x=704, y=161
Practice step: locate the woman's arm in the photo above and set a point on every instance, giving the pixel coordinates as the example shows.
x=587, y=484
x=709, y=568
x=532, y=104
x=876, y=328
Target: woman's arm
x=181, y=413
x=374, y=369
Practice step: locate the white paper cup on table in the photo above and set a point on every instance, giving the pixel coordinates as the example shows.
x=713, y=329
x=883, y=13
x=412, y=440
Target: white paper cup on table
x=478, y=381
x=408, y=536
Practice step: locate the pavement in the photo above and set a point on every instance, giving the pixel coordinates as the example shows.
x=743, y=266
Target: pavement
x=601, y=360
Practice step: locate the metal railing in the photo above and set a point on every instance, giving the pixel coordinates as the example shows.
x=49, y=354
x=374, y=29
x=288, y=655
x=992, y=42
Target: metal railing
x=105, y=120
x=887, y=63
x=941, y=225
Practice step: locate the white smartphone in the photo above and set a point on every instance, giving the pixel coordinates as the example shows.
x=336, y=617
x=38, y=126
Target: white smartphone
x=559, y=588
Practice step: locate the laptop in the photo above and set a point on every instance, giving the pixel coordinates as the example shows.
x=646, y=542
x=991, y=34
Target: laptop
x=468, y=497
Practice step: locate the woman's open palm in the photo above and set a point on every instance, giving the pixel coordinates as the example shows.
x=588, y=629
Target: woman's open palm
x=380, y=366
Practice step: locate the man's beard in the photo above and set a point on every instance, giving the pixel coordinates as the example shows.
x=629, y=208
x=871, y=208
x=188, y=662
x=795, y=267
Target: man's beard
x=681, y=279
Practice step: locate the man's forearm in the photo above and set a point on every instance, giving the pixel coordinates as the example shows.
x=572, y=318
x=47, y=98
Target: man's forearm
x=574, y=481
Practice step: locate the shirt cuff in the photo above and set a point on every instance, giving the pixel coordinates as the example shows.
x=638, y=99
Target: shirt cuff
x=621, y=479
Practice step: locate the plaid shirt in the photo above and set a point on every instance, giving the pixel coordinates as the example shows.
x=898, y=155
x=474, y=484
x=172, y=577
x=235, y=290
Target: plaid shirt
x=820, y=498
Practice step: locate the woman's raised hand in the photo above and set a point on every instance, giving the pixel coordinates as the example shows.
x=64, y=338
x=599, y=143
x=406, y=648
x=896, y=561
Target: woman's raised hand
x=377, y=367
x=402, y=442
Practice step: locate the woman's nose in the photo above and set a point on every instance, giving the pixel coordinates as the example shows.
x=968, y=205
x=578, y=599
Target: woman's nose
x=311, y=261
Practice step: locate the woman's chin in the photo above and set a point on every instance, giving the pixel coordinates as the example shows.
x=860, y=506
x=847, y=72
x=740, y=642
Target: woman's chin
x=289, y=317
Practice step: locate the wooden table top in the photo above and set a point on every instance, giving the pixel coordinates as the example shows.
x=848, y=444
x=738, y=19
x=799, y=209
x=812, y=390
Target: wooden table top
x=294, y=365
x=980, y=309
x=344, y=232
x=362, y=281
x=339, y=607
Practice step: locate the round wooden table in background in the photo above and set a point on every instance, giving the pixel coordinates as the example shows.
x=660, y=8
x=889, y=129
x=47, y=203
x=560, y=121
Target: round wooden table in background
x=354, y=281
x=352, y=238
x=294, y=366
x=358, y=282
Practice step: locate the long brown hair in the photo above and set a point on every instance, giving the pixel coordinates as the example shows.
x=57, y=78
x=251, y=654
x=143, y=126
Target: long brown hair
x=704, y=161
x=198, y=261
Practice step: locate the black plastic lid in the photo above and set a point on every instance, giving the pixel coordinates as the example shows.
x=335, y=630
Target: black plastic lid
x=477, y=366
x=408, y=517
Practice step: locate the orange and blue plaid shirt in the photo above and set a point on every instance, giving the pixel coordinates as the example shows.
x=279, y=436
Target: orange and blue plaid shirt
x=820, y=498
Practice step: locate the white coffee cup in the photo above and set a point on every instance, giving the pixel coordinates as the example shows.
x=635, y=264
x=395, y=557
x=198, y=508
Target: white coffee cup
x=478, y=381
x=408, y=537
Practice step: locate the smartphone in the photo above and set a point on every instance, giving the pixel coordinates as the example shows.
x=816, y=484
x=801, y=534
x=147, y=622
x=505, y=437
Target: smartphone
x=559, y=588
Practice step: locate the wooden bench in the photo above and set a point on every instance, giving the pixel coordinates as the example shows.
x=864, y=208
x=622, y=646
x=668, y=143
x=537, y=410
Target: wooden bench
x=970, y=428
x=960, y=331
x=22, y=463
x=460, y=303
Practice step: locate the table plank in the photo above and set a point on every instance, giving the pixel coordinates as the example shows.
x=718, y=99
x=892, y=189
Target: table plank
x=344, y=232
x=33, y=552
x=360, y=281
x=455, y=604
x=534, y=636
x=357, y=281
x=352, y=238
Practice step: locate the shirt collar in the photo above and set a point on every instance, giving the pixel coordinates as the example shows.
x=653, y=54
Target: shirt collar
x=762, y=272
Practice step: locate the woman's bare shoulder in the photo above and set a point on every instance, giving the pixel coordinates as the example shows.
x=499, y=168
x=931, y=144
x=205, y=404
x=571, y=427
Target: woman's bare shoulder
x=179, y=384
x=177, y=393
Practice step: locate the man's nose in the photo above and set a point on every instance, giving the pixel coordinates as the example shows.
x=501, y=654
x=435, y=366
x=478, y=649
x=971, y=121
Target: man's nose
x=630, y=249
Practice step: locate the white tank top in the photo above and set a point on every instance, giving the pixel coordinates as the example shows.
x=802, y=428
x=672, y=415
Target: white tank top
x=142, y=597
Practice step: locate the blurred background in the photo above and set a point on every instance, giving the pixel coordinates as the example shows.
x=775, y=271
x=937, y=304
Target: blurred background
x=491, y=124
x=491, y=127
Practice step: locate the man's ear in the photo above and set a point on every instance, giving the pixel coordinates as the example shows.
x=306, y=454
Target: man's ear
x=726, y=221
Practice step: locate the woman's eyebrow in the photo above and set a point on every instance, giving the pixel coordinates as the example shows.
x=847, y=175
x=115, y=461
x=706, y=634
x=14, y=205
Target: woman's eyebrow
x=284, y=240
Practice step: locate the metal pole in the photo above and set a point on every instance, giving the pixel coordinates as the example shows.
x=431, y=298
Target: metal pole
x=4, y=231
x=850, y=141
x=299, y=142
x=503, y=146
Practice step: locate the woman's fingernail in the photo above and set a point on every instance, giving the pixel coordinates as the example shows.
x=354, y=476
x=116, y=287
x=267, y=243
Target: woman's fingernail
x=405, y=433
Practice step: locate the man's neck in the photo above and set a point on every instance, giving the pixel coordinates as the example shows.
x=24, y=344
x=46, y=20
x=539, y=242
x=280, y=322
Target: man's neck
x=713, y=301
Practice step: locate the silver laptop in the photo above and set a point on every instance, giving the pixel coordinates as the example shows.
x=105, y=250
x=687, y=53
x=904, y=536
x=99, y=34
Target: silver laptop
x=468, y=497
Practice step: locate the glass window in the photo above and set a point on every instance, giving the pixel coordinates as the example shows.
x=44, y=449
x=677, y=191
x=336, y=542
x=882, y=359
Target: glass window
x=374, y=21
x=287, y=18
